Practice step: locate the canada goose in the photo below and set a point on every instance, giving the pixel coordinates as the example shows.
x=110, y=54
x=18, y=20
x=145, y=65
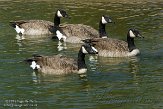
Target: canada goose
x=117, y=48
x=59, y=65
x=38, y=27
x=74, y=33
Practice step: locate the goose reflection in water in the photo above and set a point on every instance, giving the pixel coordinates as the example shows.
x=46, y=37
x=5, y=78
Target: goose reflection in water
x=98, y=62
x=61, y=46
x=134, y=69
x=31, y=37
x=39, y=78
x=134, y=65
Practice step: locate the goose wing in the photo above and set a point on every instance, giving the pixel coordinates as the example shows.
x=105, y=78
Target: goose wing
x=79, y=30
x=34, y=24
x=110, y=44
x=56, y=62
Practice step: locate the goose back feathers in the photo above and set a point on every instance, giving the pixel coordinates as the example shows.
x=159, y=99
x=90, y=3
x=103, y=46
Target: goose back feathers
x=74, y=33
x=32, y=27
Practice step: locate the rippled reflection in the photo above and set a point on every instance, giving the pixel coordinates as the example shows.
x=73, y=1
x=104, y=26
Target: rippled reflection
x=110, y=82
x=61, y=46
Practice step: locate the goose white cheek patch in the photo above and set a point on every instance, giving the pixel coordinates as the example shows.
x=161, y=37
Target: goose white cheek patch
x=34, y=65
x=131, y=34
x=104, y=21
x=59, y=14
x=84, y=50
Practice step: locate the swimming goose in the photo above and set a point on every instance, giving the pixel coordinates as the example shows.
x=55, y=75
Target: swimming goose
x=38, y=27
x=59, y=65
x=110, y=47
x=74, y=33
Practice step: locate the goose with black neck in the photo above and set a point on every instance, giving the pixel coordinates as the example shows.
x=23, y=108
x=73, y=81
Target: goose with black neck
x=110, y=47
x=38, y=27
x=61, y=65
x=74, y=33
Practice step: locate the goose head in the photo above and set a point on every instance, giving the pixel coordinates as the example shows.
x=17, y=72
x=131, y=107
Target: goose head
x=134, y=33
x=106, y=19
x=61, y=13
x=103, y=21
x=88, y=47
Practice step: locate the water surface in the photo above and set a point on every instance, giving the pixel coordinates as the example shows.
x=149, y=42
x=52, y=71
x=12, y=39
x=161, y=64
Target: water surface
x=115, y=83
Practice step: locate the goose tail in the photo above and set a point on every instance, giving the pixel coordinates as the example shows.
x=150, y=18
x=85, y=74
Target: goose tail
x=33, y=58
x=29, y=60
x=13, y=24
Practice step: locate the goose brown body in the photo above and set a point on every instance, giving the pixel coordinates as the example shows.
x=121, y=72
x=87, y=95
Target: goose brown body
x=38, y=27
x=35, y=27
x=76, y=32
x=56, y=64
x=59, y=65
x=109, y=47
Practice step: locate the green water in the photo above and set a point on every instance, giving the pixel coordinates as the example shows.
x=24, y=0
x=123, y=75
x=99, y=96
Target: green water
x=111, y=83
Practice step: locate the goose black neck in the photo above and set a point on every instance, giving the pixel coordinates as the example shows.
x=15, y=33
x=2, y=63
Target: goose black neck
x=81, y=59
x=102, y=30
x=56, y=20
x=131, y=44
